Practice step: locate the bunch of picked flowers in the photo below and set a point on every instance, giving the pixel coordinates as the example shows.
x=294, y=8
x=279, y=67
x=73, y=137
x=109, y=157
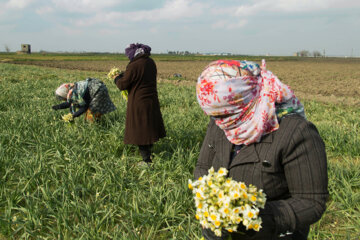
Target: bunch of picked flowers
x=68, y=117
x=114, y=72
x=222, y=203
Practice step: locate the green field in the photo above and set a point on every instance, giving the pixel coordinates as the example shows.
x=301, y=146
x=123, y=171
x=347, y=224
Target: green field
x=79, y=181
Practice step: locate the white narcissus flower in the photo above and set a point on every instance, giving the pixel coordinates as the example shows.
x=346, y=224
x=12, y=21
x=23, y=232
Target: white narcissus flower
x=235, y=194
x=225, y=211
x=222, y=172
x=199, y=195
x=217, y=232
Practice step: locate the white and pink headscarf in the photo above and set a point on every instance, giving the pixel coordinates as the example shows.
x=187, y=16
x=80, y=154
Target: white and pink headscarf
x=244, y=99
x=63, y=90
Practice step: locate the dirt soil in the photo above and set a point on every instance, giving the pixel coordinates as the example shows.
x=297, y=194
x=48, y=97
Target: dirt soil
x=329, y=81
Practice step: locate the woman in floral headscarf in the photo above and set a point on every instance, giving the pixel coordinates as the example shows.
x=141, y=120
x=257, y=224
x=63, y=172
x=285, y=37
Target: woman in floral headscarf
x=90, y=96
x=258, y=131
x=144, y=124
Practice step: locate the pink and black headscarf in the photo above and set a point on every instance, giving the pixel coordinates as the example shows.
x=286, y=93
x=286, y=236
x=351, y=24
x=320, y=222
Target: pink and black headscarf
x=245, y=99
x=136, y=49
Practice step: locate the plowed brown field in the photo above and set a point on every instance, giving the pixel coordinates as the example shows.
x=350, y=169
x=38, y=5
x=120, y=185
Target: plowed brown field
x=326, y=80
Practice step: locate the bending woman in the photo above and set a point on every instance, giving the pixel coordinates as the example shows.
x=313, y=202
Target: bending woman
x=90, y=96
x=258, y=131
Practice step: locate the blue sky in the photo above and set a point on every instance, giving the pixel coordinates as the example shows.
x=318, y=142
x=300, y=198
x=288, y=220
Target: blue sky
x=258, y=27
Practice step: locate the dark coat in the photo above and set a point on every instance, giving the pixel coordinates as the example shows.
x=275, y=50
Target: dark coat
x=144, y=123
x=288, y=164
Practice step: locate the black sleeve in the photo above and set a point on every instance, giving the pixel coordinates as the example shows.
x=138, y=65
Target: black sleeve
x=80, y=111
x=61, y=106
x=207, y=152
x=305, y=167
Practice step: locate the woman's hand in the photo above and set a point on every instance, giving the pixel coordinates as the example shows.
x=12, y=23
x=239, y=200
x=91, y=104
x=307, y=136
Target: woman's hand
x=117, y=77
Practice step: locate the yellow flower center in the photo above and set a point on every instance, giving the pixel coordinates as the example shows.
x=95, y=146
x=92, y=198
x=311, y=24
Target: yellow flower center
x=190, y=186
x=250, y=214
x=253, y=198
x=213, y=217
x=217, y=223
x=206, y=214
x=200, y=206
x=197, y=217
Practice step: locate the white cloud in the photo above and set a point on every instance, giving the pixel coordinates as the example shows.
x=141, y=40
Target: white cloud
x=84, y=5
x=230, y=24
x=288, y=6
x=18, y=4
x=44, y=10
x=172, y=10
x=154, y=30
x=70, y=31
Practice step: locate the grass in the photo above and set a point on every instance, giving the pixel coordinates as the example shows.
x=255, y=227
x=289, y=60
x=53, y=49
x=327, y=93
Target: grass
x=79, y=181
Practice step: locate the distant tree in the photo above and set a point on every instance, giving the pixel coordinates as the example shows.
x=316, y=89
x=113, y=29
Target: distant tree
x=317, y=54
x=7, y=49
x=303, y=53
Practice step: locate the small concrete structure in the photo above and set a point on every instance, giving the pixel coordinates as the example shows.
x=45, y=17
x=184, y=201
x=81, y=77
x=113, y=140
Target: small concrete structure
x=26, y=48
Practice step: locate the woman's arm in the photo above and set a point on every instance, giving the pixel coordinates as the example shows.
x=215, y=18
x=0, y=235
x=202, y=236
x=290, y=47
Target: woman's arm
x=80, y=111
x=84, y=108
x=207, y=152
x=305, y=168
x=61, y=106
x=124, y=81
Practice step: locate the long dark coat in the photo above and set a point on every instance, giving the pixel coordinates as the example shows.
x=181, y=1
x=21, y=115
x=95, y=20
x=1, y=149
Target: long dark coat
x=289, y=164
x=144, y=123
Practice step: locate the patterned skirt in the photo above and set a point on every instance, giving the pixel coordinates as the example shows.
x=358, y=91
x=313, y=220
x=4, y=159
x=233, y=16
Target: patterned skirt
x=92, y=117
x=100, y=99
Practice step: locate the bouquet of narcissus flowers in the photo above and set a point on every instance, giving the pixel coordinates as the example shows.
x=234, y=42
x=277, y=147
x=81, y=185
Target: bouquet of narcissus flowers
x=68, y=117
x=222, y=203
x=114, y=72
